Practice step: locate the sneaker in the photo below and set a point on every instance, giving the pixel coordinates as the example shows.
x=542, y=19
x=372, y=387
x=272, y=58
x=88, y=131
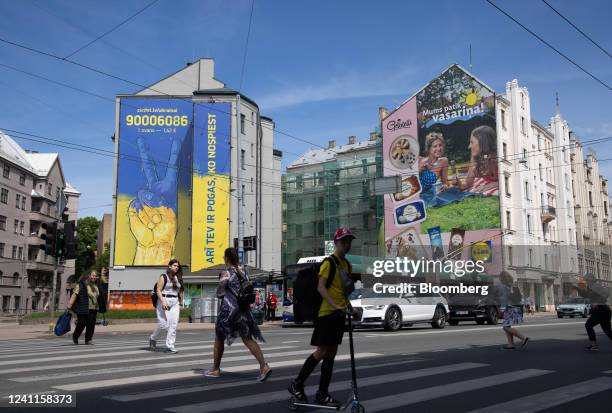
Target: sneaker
x=89, y=343
x=508, y=348
x=171, y=350
x=525, y=341
x=325, y=399
x=152, y=344
x=264, y=374
x=75, y=340
x=592, y=347
x=297, y=390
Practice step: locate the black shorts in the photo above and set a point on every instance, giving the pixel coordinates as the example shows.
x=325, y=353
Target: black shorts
x=328, y=330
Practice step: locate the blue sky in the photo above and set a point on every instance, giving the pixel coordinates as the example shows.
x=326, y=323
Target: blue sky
x=320, y=69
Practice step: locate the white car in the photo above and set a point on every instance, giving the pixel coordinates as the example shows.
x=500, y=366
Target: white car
x=392, y=311
x=576, y=306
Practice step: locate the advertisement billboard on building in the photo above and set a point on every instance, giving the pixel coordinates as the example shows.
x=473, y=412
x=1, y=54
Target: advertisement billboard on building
x=211, y=184
x=443, y=143
x=153, y=206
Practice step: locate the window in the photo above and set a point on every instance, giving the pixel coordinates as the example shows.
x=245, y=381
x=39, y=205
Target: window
x=527, y=191
x=242, y=119
x=16, y=226
x=50, y=189
x=606, y=207
x=522, y=101
x=20, y=253
x=529, y=229
x=525, y=155
x=505, y=150
x=2, y=222
x=2, y=245
x=320, y=228
x=252, y=150
x=17, y=201
x=530, y=257
x=320, y=203
x=57, y=191
x=14, y=256
x=591, y=198
x=298, y=231
x=22, y=228
x=6, y=172
x=509, y=255
x=22, y=179
x=523, y=126
x=23, y=203
x=298, y=206
x=541, y=172
x=243, y=197
x=508, y=223
x=48, y=209
x=242, y=162
x=251, y=220
x=567, y=185
x=503, y=118
x=507, y=185
x=252, y=188
x=4, y=196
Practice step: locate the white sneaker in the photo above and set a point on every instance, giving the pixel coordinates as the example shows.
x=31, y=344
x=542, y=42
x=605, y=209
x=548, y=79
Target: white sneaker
x=171, y=350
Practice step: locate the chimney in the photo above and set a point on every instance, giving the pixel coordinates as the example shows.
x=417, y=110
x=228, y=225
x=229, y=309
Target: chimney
x=383, y=112
x=352, y=140
x=373, y=136
x=331, y=144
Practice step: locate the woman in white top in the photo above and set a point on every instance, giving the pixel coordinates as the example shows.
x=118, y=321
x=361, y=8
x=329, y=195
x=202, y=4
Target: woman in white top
x=169, y=299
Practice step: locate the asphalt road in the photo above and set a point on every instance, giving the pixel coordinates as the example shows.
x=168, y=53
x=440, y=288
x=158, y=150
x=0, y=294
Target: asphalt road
x=458, y=369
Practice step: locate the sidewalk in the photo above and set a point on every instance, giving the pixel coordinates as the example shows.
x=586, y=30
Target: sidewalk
x=24, y=332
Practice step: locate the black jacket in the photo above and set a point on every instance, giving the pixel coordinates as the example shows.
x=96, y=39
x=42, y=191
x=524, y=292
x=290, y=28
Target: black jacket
x=81, y=305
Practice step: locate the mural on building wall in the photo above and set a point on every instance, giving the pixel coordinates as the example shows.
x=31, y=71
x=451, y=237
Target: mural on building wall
x=443, y=143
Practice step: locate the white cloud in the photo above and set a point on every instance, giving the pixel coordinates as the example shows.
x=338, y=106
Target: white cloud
x=343, y=86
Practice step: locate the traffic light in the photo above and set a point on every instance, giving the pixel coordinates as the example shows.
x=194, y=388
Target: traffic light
x=60, y=244
x=65, y=214
x=50, y=238
x=71, y=242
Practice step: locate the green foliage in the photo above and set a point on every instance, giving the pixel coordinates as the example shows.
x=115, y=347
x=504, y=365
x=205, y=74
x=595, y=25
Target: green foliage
x=471, y=214
x=86, y=252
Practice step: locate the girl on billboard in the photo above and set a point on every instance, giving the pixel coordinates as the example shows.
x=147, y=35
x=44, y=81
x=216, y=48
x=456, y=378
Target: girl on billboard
x=435, y=164
x=482, y=174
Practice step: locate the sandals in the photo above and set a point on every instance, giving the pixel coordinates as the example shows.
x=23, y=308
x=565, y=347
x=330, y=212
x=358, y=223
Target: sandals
x=212, y=374
x=264, y=374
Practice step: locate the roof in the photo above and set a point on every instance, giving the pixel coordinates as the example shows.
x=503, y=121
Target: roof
x=316, y=156
x=224, y=91
x=10, y=150
x=71, y=190
x=42, y=162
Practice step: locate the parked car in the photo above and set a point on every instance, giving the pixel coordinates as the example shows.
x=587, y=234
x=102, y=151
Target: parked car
x=576, y=306
x=472, y=307
x=392, y=311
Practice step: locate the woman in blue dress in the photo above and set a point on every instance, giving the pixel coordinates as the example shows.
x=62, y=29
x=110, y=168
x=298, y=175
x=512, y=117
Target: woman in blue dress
x=233, y=321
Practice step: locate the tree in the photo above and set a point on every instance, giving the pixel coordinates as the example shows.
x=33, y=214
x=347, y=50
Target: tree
x=88, y=235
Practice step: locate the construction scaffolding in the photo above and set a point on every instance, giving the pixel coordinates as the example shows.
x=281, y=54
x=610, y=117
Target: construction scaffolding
x=323, y=196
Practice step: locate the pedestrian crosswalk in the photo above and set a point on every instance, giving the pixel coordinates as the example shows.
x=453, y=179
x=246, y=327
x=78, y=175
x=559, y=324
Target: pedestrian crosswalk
x=122, y=375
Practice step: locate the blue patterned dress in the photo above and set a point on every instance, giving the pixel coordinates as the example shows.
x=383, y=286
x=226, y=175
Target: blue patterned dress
x=231, y=321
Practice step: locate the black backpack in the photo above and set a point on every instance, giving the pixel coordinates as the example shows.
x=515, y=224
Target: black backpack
x=154, y=297
x=246, y=293
x=306, y=297
x=515, y=296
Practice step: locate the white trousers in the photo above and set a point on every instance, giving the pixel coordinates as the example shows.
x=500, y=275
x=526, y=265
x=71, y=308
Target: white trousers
x=167, y=320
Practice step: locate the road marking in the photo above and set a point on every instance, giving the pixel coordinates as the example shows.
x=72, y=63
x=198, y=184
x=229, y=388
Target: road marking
x=158, y=357
x=480, y=329
x=261, y=398
x=393, y=401
x=550, y=398
x=87, y=349
x=59, y=376
x=184, y=374
x=607, y=372
x=291, y=341
x=217, y=386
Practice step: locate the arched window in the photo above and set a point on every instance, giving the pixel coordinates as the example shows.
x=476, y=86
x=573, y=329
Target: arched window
x=16, y=278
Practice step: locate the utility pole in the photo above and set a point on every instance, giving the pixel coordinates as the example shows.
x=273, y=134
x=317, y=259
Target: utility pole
x=239, y=180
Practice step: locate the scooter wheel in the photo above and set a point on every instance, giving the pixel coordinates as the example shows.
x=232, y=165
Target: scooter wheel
x=358, y=408
x=292, y=406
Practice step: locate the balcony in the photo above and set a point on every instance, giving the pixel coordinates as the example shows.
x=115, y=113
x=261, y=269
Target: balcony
x=35, y=240
x=548, y=213
x=40, y=265
x=39, y=216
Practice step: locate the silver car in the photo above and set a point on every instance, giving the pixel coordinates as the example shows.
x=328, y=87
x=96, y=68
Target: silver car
x=576, y=306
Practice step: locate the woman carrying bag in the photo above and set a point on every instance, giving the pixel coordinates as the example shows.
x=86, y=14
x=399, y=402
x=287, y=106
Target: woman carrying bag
x=86, y=302
x=234, y=320
x=169, y=299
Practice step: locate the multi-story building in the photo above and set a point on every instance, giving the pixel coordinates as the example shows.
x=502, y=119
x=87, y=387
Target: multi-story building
x=104, y=233
x=259, y=180
x=591, y=213
x=329, y=188
x=30, y=185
